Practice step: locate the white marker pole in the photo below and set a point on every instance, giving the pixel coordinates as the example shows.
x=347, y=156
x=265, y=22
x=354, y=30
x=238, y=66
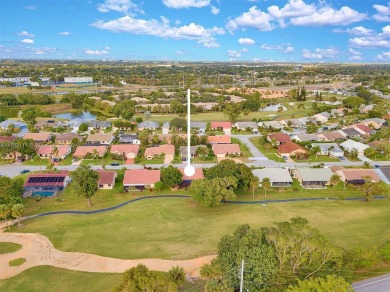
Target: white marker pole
x=189, y=170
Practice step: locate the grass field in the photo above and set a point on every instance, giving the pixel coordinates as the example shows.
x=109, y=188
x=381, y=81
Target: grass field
x=7, y=247
x=178, y=228
x=17, y=262
x=42, y=279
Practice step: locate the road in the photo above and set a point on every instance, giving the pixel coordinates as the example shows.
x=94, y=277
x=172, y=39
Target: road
x=260, y=160
x=377, y=284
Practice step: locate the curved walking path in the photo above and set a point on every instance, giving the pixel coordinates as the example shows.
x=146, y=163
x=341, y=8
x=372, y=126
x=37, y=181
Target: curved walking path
x=38, y=251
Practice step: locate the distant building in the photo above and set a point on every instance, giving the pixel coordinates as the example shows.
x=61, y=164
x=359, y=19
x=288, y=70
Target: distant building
x=78, y=79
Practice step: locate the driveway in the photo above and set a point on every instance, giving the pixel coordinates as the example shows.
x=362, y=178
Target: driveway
x=245, y=140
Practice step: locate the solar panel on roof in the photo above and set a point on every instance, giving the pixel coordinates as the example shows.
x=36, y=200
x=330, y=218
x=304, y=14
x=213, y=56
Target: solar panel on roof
x=44, y=179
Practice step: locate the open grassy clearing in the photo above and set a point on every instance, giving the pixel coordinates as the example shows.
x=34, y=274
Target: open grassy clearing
x=178, y=228
x=17, y=262
x=41, y=279
x=8, y=247
x=319, y=158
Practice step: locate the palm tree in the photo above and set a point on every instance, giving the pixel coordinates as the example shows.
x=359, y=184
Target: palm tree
x=5, y=212
x=17, y=211
x=334, y=181
x=254, y=183
x=95, y=153
x=266, y=183
x=54, y=152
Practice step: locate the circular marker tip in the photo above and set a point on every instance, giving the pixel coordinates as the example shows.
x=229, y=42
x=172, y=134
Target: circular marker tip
x=189, y=170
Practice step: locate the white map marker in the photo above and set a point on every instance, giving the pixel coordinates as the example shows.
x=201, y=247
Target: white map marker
x=189, y=170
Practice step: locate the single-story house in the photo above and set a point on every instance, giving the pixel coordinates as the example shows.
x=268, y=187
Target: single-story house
x=270, y=124
x=56, y=153
x=82, y=151
x=279, y=177
x=5, y=124
x=188, y=179
x=150, y=125
x=42, y=123
x=75, y=124
x=100, y=139
x=106, y=179
x=363, y=129
x=293, y=123
x=40, y=137
x=219, y=139
x=291, y=149
x=321, y=117
x=224, y=126
x=45, y=183
x=125, y=150
x=98, y=125
x=375, y=123
x=350, y=133
x=279, y=138
x=305, y=137
x=221, y=150
x=331, y=136
x=200, y=126
x=313, y=177
x=129, y=139
x=66, y=139
x=246, y=125
x=139, y=179
x=193, y=149
x=350, y=145
x=374, y=144
x=356, y=176
x=167, y=150
x=331, y=149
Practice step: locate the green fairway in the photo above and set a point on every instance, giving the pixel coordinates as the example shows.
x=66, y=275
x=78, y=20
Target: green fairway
x=8, y=247
x=177, y=228
x=17, y=262
x=41, y=279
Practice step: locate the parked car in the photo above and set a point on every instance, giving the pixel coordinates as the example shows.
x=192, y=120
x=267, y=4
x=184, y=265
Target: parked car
x=115, y=164
x=377, y=166
x=341, y=158
x=284, y=157
x=24, y=171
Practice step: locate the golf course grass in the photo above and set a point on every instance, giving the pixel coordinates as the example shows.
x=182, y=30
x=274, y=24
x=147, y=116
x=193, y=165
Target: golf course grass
x=176, y=228
x=8, y=247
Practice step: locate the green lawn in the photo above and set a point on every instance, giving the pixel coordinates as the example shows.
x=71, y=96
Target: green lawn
x=178, y=228
x=151, y=161
x=101, y=161
x=17, y=262
x=6, y=161
x=269, y=153
x=38, y=162
x=44, y=278
x=66, y=161
x=245, y=151
x=319, y=158
x=379, y=157
x=8, y=247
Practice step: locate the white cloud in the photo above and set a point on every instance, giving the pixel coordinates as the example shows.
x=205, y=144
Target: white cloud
x=26, y=33
x=24, y=51
x=357, y=30
x=186, y=3
x=385, y=56
x=233, y=54
x=196, y=32
x=64, y=33
x=244, y=50
x=96, y=52
x=30, y=7
x=382, y=12
x=373, y=41
x=246, y=42
x=254, y=18
x=214, y=10
x=354, y=55
x=329, y=16
x=27, y=41
x=181, y=52
x=293, y=8
x=320, y=54
x=122, y=6
x=282, y=48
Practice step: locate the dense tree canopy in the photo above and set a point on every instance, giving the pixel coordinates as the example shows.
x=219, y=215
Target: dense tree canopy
x=171, y=176
x=125, y=109
x=85, y=182
x=329, y=283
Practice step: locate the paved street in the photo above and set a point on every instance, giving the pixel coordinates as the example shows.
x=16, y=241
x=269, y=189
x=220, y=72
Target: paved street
x=377, y=284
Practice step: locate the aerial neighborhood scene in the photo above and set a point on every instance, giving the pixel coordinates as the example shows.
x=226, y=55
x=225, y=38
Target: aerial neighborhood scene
x=194, y=145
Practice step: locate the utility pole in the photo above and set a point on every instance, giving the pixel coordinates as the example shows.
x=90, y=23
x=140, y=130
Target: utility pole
x=242, y=276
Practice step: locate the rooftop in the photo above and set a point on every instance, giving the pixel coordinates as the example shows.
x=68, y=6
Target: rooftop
x=134, y=177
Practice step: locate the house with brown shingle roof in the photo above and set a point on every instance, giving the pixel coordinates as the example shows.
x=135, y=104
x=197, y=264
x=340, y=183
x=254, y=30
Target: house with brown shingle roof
x=331, y=136
x=106, y=179
x=291, y=149
x=222, y=150
x=139, y=179
x=219, y=139
x=356, y=176
x=100, y=138
x=66, y=139
x=40, y=137
x=167, y=150
x=280, y=138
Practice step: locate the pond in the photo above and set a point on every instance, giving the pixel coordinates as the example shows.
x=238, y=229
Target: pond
x=82, y=115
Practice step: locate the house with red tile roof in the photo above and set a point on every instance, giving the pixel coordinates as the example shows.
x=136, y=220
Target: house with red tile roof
x=279, y=138
x=139, y=179
x=39, y=137
x=82, y=151
x=106, y=179
x=222, y=150
x=219, y=139
x=167, y=150
x=56, y=153
x=224, y=126
x=356, y=176
x=331, y=136
x=291, y=149
x=125, y=150
x=363, y=129
x=45, y=183
x=188, y=179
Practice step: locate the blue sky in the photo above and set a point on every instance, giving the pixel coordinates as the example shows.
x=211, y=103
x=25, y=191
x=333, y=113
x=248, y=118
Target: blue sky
x=196, y=30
